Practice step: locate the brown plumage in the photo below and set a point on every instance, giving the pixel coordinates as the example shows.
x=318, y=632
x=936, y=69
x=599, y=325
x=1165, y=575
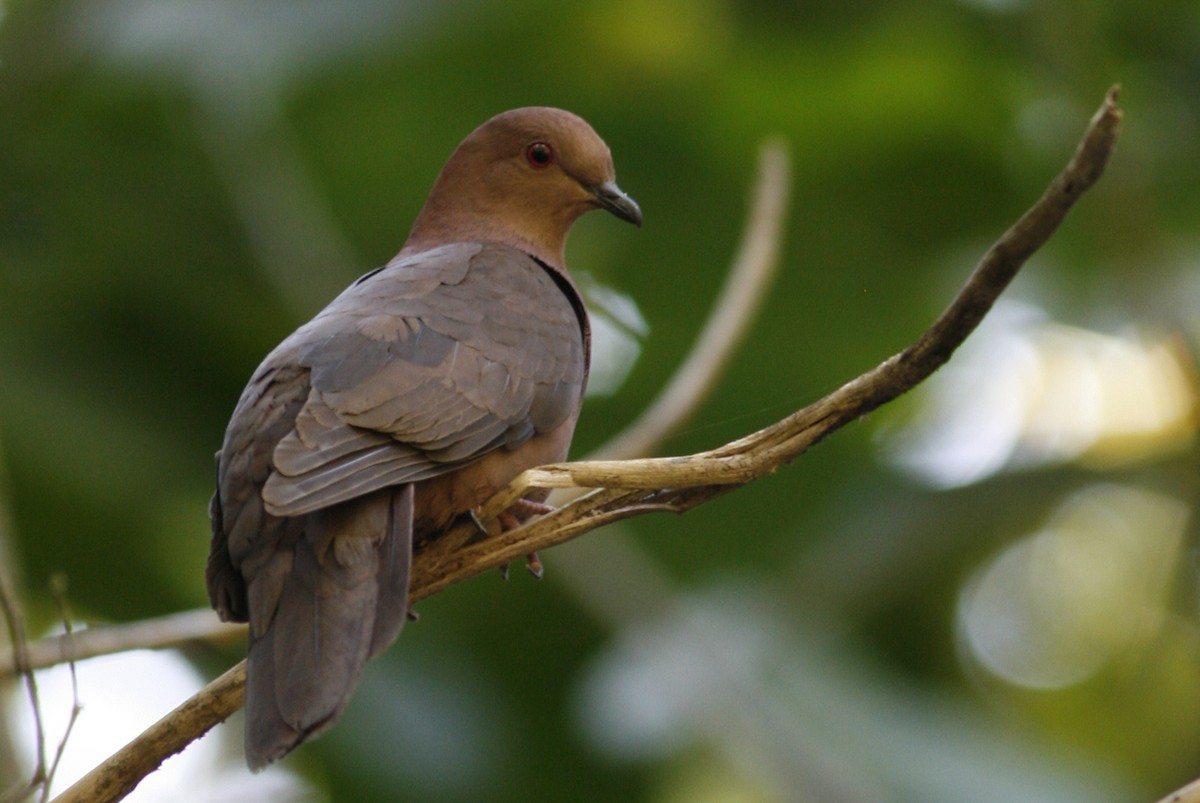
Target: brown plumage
x=422, y=389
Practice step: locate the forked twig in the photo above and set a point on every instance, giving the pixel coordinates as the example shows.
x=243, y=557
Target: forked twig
x=58, y=586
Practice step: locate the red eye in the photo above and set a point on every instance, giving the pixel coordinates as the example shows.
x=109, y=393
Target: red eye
x=539, y=154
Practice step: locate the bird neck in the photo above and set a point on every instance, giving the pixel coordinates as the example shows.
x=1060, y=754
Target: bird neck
x=434, y=228
x=476, y=199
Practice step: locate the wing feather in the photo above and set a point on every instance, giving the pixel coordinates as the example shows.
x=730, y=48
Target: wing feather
x=412, y=377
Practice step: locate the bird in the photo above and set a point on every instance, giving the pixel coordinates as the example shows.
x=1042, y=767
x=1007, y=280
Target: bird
x=422, y=389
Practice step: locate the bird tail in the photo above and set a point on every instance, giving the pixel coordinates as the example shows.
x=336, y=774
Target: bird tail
x=341, y=598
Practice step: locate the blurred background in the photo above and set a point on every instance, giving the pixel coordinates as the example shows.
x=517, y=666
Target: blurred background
x=985, y=591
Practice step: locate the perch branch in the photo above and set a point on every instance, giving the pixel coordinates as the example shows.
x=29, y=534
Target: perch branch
x=628, y=488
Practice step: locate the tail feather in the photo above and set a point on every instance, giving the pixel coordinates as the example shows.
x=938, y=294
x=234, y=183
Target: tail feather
x=395, y=563
x=344, y=599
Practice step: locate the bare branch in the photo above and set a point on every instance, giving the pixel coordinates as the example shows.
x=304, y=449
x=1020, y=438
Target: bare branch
x=679, y=483
x=628, y=488
x=173, y=630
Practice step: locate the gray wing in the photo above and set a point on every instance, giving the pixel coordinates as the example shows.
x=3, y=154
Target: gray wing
x=425, y=366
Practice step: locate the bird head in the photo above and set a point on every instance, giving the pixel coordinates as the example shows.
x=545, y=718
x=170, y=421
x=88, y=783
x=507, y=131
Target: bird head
x=522, y=178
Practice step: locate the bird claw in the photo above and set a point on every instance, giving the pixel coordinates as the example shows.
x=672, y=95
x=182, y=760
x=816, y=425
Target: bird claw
x=510, y=519
x=483, y=527
x=532, y=562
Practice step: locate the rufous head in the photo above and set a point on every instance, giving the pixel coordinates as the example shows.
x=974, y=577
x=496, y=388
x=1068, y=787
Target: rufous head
x=522, y=178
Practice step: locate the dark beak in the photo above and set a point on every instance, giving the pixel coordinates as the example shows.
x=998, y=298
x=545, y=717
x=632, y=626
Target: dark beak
x=609, y=196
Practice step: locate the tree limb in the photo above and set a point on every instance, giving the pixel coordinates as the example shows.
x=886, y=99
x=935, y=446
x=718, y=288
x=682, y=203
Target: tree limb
x=631, y=487
x=172, y=630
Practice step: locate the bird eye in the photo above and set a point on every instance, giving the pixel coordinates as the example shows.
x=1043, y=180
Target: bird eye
x=539, y=154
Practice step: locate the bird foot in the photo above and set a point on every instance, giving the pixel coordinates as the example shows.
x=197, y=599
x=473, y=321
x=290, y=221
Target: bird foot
x=524, y=508
x=512, y=518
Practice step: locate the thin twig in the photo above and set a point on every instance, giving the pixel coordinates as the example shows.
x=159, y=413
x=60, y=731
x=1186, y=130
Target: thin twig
x=16, y=630
x=627, y=488
x=58, y=587
x=14, y=618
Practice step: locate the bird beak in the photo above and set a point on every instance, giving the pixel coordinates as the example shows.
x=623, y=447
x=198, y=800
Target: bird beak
x=609, y=196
